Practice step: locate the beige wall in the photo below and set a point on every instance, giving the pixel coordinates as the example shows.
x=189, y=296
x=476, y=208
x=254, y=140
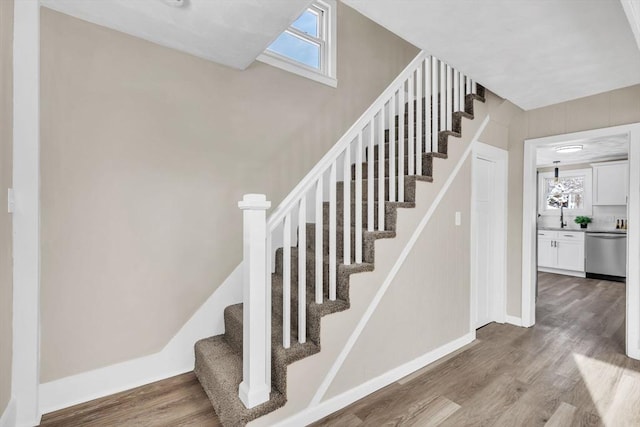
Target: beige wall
x=427, y=304
x=6, y=265
x=613, y=108
x=145, y=153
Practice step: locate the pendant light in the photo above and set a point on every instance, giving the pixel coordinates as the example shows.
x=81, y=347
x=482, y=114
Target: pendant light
x=556, y=171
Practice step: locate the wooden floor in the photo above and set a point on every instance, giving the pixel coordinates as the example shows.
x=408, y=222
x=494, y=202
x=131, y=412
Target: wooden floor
x=570, y=369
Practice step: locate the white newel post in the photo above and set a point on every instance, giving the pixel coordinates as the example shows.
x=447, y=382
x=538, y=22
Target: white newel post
x=255, y=386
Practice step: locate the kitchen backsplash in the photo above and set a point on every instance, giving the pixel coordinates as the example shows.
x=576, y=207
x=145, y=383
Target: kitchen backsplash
x=603, y=218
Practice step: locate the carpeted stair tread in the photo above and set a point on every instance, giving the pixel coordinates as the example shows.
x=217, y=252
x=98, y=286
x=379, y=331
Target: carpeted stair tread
x=427, y=166
x=219, y=370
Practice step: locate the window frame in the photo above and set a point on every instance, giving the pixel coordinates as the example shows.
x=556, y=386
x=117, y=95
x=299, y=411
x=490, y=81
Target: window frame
x=327, y=43
x=588, y=192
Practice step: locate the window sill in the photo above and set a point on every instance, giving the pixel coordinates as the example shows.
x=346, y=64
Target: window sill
x=296, y=69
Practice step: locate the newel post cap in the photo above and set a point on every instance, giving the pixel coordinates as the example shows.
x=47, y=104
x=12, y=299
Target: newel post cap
x=254, y=202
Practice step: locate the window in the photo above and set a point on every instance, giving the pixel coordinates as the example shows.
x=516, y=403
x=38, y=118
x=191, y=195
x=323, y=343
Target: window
x=572, y=190
x=308, y=47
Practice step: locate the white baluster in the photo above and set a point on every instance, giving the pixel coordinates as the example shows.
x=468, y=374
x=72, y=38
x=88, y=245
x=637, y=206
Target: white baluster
x=434, y=105
x=427, y=106
x=473, y=87
x=302, y=270
x=333, y=232
x=401, y=143
x=456, y=90
x=381, y=159
x=370, y=177
x=392, y=148
x=449, y=103
x=286, y=282
x=319, y=250
x=443, y=96
x=410, y=126
x=358, y=206
x=346, y=209
x=418, y=142
x=256, y=339
x=461, y=91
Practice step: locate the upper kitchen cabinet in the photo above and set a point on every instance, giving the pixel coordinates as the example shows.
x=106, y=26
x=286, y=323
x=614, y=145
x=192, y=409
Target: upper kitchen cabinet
x=610, y=183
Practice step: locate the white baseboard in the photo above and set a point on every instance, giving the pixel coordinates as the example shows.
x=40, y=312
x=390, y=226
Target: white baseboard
x=513, y=320
x=177, y=357
x=314, y=413
x=8, y=417
x=563, y=272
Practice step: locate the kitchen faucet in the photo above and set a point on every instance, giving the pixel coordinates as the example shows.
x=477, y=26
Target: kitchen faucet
x=562, y=223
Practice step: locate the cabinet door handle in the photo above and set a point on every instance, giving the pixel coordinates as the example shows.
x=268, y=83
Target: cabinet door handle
x=568, y=235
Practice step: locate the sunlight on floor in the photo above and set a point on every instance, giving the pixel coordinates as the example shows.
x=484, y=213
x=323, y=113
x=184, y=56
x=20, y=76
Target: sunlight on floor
x=615, y=392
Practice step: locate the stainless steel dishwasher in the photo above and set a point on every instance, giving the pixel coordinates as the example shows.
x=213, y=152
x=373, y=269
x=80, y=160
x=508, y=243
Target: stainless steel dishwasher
x=606, y=255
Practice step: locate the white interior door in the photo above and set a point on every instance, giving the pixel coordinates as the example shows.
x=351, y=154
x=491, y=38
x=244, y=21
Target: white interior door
x=488, y=236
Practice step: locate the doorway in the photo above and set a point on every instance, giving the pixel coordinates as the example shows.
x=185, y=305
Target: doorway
x=488, y=235
x=531, y=211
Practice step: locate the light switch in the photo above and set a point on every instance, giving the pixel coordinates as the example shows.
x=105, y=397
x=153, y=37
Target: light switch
x=458, y=218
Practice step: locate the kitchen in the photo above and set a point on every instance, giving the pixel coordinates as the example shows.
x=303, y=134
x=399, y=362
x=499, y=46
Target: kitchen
x=582, y=208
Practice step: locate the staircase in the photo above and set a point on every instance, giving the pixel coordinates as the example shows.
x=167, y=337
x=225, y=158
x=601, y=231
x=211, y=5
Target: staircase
x=380, y=159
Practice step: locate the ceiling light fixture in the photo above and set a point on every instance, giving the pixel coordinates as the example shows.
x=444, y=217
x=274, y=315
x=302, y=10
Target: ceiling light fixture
x=556, y=171
x=569, y=149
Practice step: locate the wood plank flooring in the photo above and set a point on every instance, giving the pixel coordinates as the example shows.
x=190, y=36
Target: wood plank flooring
x=568, y=370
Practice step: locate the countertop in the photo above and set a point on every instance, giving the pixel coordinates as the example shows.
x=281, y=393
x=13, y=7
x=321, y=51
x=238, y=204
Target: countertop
x=584, y=230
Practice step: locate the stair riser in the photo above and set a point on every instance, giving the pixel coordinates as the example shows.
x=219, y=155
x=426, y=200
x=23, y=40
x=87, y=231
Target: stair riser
x=426, y=167
x=443, y=138
x=409, y=191
x=390, y=215
x=367, y=244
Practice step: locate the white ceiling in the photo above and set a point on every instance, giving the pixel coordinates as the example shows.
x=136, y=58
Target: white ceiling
x=614, y=147
x=532, y=52
x=230, y=32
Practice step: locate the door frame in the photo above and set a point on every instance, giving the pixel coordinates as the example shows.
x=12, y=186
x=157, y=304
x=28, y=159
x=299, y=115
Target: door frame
x=499, y=290
x=529, y=221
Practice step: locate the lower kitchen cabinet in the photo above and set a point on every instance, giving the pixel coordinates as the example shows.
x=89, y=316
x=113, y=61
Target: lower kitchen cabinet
x=561, y=252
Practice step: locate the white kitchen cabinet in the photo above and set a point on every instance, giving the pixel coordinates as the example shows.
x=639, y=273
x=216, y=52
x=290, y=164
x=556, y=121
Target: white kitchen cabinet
x=547, y=254
x=610, y=183
x=561, y=252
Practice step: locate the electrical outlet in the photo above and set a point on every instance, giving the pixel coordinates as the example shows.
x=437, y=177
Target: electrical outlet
x=458, y=218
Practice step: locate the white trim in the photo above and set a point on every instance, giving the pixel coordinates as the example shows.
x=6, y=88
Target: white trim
x=324, y=386
x=588, y=192
x=292, y=67
x=177, y=357
x=318, y=411
x=501, y=158
x=328, y=50
x=529, y=232
x=513, y=320
x=8, y=417
x=26, y=217
x=632, y=10
x=563, y=272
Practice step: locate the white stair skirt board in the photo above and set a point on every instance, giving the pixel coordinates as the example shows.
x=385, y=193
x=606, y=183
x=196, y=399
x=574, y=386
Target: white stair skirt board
x=315, y=412
x=8, y=417
x=405, y=252
x=513, y=320
x=177, y=357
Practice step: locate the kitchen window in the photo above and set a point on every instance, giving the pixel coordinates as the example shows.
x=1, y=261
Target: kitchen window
x=308, y=46
x=572, y=190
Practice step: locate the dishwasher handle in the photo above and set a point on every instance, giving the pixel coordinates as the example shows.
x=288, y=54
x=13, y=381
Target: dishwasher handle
x=608, y=236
